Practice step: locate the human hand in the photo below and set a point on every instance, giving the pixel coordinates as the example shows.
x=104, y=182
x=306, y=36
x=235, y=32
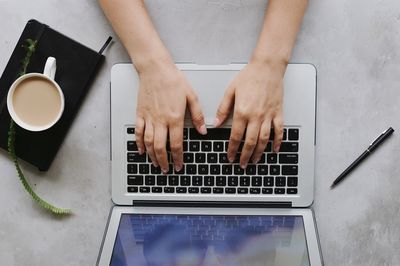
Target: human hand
x=256, y=94
x=162, y=98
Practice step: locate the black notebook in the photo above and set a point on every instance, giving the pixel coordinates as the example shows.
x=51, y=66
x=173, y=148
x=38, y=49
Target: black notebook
x=77, y=66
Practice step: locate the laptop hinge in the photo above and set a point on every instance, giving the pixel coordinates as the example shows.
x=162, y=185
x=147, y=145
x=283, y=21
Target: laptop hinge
x=211, y=204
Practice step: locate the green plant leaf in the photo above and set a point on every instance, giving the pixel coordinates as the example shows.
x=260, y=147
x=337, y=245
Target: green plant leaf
x=30, y=47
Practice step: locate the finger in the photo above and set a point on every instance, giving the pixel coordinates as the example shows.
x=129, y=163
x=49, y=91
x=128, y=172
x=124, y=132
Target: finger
x=139, y=134
x=196, y=113
x=225, y=107
x=250, y=142
x=176, y=145
x=278, y=130
x=263, y=138
x=160, y=149
x=149, y=142
x=238, y=128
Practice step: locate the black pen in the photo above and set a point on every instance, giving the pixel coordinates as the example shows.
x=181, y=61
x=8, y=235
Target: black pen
x=364, y=155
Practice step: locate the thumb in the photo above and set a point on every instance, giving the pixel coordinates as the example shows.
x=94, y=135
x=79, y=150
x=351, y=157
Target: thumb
x=225, y=107
x=196, y=113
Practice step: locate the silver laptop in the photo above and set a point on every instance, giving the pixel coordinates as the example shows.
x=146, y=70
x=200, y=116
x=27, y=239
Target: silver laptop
x=213, y=212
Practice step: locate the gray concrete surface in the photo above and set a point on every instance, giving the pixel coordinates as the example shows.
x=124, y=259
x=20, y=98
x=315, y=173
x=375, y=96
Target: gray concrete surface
x=355, y=46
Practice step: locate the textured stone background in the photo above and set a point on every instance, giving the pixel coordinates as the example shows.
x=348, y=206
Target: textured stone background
x=355, y=47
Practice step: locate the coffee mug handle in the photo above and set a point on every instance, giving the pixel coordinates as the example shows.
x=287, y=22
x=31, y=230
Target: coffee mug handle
x=50, y=67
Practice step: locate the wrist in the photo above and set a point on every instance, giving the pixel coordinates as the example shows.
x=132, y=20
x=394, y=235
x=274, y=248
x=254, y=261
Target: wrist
x=152, y=62
x=272, y=63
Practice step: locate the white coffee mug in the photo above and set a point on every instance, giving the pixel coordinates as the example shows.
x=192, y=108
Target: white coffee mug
x=48, y=74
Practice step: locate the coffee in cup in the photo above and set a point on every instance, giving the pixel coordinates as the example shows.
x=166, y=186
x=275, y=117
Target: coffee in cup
x=35, y=101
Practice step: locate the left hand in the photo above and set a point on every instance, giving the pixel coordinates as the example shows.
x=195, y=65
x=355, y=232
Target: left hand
x=257, y=96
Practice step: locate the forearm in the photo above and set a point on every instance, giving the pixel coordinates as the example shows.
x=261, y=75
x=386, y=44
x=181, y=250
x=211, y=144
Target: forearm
x=134, y=27
x=281, y=24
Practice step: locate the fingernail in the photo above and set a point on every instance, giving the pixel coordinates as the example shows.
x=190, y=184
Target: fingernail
x=216, y=122
x=243, y=166
x=178, y=168
x=276, y=148
x=231, y=159
x=164, y=170
x=155, y=164
x=203, y=130
x=255, y=161
x=140, y=151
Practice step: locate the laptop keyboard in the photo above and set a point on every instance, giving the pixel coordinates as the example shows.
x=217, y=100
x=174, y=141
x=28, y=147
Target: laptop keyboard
x=207, y=169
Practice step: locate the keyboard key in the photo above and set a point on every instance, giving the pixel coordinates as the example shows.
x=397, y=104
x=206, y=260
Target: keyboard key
x=245, y=181
x=291, y=191
x=150, y=180
x=185, y=180
x=288, y=158
x=230, y=190
x=188, y=157
x=194, y=190
x=133, y=189
x=181, y=190
x=170, y=169
x=254, y=190
x=130, y=130
x=135, y=157
x=200, y=157
x=144, y=169
x=223, y=158
x=237, y=170
x=227, y=169
x=243, y=190
x=218, y=146
x=144, y=189
x=262, y=169
x=289, y=170
x=267, y=190
x=209, y=181
x=135, y=180
x=194, y=146
x=262, y=159
x=280, y=181
x=191, y=169
x=161, y=180
x=197, y=181
x=212, y=158
x=279, y=191
x=268, y=181
x=271, y=134
x=220, y=181
x=215, y=169
x=284, y=134
x=205, y=190
x=272, y=158
x=293, y=134
x=275, y=170
x=268, y=148
x=206, y=146
x=233, y=181
x=155, y=170
x=169, y=189
x=156, y=189
x=289, y=147
x=256, y=181
x=251, y=169
x=226, y=146
x=132, y=169
x=203, y=169
x=173, y=180
x=185, y=146
x=292, y=181
x=185, y=133
x=212, y=133
x=131, y=146
x=218, y=190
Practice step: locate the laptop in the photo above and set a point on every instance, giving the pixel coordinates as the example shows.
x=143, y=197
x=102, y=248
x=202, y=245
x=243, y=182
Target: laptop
x=213, y=212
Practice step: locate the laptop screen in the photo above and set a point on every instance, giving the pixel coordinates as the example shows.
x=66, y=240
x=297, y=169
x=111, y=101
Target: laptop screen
x=174, y=240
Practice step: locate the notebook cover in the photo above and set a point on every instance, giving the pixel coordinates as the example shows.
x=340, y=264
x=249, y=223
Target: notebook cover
x=77, y=65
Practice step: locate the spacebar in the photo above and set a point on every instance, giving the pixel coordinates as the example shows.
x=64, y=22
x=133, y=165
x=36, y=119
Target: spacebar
x=212, y=134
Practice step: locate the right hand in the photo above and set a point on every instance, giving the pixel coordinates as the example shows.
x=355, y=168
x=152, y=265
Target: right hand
x=162, y=98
